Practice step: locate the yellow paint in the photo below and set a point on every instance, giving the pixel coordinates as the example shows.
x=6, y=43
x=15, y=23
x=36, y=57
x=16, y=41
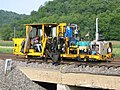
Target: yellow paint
x=59, y=32
x=17, y=45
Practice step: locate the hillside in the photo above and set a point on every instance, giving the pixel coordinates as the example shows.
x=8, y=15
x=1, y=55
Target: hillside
x=8, y=17
x=9, y=20
x=81, y=12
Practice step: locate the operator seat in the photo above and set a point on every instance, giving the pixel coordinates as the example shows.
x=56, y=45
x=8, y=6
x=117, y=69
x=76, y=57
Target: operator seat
x=38, y=47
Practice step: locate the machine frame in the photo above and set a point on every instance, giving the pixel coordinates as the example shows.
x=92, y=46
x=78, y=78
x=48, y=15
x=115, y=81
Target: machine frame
x=23, y=46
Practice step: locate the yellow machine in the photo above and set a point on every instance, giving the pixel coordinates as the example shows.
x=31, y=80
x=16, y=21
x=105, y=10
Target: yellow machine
x=58, y=41
x=29, y=46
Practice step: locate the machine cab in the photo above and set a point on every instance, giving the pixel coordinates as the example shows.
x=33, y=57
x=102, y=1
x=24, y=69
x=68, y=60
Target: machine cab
x=37, y=36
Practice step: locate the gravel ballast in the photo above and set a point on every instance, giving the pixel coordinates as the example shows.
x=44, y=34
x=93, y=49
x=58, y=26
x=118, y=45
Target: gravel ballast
x=101, y=70
x=16, y=80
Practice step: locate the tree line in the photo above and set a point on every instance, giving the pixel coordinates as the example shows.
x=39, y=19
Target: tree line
x=81, y=12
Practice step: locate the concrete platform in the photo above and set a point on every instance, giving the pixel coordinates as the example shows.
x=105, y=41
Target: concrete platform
x=72, y=79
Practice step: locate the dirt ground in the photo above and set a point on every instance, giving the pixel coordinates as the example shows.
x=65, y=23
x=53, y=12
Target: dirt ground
x=115, y=42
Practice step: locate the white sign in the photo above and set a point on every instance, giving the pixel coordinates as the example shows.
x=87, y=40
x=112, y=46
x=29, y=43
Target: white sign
x=8, y=65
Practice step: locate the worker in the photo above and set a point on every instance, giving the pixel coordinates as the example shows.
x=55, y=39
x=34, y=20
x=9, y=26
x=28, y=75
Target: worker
x=68, y=32
x=35, y=40
x=37, y=45
x=76, y=32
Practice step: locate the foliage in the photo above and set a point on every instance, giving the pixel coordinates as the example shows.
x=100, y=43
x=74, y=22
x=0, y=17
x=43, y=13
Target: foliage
x=81, y=12
x=8, y=17
x=9, y=20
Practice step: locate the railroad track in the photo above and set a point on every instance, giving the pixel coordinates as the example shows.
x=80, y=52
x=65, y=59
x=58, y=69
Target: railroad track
x=74, y=66
x=115, y=62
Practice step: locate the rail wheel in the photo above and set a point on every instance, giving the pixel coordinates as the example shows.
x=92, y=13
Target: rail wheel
x=86, y=58
x=78, y=58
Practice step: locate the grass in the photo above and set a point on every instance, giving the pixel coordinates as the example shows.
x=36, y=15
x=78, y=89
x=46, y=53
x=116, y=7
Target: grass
x=116, y=46
x=116, y=50
x=6, y=43
x=6, y=50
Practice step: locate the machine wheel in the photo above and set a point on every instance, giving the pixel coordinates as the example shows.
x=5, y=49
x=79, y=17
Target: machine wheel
x=45, y=58
x=78, y=58
x=86, y=58
x=56, y=58
x=28, y=60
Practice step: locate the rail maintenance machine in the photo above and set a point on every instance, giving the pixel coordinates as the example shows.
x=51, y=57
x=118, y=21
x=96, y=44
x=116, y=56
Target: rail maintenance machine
x=57, y=41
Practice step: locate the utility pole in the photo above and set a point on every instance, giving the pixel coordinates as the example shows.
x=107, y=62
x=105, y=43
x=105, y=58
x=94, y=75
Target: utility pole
x=14, y=32
x=97, y=33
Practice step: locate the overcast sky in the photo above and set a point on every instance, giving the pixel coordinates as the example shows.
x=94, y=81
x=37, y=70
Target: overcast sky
x=21, y=6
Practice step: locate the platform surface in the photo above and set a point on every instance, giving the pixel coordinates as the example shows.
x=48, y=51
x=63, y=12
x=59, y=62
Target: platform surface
x=74, y=79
